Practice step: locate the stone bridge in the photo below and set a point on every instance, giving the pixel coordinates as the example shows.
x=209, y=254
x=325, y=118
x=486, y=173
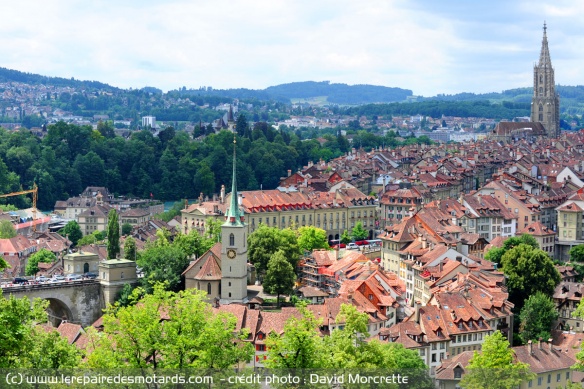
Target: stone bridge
x=79, y=302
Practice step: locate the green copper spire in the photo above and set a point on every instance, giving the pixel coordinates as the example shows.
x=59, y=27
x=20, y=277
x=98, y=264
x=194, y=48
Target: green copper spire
x=234, y=215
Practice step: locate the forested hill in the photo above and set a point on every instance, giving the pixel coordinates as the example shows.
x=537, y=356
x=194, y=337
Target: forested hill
x=9, y=75
x=571, y=97
x=323, y=91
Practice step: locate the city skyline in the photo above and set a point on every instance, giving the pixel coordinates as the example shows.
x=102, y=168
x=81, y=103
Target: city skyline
x=430, y=48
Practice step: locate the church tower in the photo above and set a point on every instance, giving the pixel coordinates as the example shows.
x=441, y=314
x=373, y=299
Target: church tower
x=545, y=103
x=233, y=249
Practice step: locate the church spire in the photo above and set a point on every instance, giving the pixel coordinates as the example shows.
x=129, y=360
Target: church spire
x=544, y=56
x=234, y=215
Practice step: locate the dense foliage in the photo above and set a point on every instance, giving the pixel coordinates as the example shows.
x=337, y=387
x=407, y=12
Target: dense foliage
x=32, y=264
x=23, y=344
x=494, y=367
x=537, y=318
x=167, y=330
x=168, y=166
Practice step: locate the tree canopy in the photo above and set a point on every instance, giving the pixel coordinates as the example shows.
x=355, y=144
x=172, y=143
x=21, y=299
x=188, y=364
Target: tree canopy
x=280, y=276
x=312, y=238
x=528, y=271
x=113, y=234
x=72, y=231
x=496, y=253
x=358, y=232
x=32, y=264
x=577, y=253
x=496, y=359
x=7, y=230
x=537, y=317
x=23, y=344
x=265, y=241
x=168, y=330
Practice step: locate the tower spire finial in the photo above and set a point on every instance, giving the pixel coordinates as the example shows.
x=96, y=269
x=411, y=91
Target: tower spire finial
x=234, y=216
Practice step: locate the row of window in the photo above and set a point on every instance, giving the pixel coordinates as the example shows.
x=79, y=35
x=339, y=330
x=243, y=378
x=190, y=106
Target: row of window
x=549, y=379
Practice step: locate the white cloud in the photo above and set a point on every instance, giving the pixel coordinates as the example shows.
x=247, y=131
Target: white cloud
x=427, y=46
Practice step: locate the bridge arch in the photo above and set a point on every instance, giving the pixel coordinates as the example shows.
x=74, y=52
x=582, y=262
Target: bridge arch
x=59, y=311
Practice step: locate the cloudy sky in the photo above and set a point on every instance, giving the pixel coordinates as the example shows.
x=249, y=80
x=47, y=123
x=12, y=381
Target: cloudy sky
x=428, y=46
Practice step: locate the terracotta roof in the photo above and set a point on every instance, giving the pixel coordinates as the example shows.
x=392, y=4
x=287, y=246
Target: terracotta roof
x=536, y=229
x=70, y=331
x=544, y=359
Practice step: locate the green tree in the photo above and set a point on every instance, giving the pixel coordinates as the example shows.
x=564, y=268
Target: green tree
x=94, y=237
x=162, y=263
x=7, y=230
x=577, y=253
x=213, y=229
x=113, y=234
x=72, y=231
x=358, y=232
x=3, y=264
x=192, y=244
x=537, y=317
x=496, y=253
x=265, y=241
x=300, y=346
x=496, y=359
x=528, y=271
x=280, y=276
x=126, y=229
x=23, y=344
x=32, y=264
x=345, y=237
x=130, y=251
x=191, y=334
x=312, y=238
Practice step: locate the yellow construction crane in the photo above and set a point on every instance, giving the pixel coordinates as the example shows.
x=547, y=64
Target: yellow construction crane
x=35, y=193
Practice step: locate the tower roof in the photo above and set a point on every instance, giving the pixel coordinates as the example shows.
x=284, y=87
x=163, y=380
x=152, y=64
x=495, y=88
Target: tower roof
x=544, y=56
x=234, y=215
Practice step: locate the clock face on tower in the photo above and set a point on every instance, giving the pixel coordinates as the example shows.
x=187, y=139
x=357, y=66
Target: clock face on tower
x=231, y=253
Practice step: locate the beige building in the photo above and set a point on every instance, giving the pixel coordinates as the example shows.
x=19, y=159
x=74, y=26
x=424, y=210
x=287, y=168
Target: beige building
x=334, y=212
x=93, y=219
x=545, y=237
x=114, y=274
x=134, y=216
x=570, y=224
x=551, y=365
x=79, y=263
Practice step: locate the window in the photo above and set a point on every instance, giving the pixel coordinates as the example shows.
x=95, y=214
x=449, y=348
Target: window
x=558, y=377
x=208, y=288
x=232, y=240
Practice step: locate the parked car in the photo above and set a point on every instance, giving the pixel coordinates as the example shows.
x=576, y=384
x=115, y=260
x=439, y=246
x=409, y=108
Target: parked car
x=339, y=246
x=73, y=277
x=58, y=277
x=352, y=246
x=362, y=243
x=90, y=275
x=42, y=279
x=20, y=280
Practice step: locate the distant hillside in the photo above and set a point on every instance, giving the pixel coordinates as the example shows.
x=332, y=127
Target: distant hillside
x=9, y=75
x=571, y=97
x=341, y=94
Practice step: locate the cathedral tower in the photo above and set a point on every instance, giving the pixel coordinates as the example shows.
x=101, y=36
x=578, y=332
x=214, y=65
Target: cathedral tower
x=545, y=103
x=233, y=249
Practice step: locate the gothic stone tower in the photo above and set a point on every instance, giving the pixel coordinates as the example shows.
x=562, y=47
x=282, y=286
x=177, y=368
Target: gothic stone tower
x=233, y=249
x=545, y=104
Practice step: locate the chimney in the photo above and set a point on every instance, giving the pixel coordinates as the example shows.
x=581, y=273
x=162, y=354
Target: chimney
x=539, y=343
x=530, y=347
x=201, y=198
x=289, y=172
x=550, y=345
x=222, y=199
x=417, y=316
x=424, y=242
x=453, y=314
